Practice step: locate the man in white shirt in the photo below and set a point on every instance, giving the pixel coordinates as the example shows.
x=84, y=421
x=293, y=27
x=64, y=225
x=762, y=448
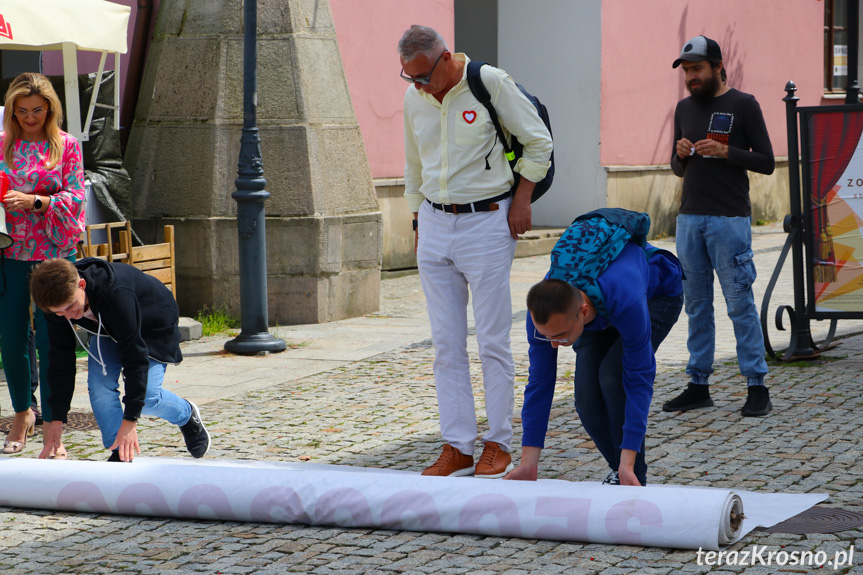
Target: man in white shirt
x=458, y=185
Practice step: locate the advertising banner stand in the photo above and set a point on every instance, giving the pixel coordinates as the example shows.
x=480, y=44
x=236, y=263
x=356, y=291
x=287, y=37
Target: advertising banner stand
x=825, y=227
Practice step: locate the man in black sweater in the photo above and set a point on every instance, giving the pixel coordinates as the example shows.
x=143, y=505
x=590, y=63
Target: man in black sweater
x=134, y=321
x=719, y=134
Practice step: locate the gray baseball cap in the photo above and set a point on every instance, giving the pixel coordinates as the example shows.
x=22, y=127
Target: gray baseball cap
x=698, y=49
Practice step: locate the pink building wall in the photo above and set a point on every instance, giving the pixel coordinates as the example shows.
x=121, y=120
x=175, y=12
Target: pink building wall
x=368, y=35
x=764, y=44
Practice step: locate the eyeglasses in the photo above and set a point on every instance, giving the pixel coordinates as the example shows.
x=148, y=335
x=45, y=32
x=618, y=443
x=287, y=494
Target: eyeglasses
x=539, y=337
x=425, y=80
x=35, y=112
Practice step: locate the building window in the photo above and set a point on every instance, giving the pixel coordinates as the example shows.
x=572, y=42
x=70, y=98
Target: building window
x=835, y=45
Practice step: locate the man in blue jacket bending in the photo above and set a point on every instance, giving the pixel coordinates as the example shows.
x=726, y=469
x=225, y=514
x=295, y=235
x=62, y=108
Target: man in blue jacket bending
x=134, y=321
x=613, y=298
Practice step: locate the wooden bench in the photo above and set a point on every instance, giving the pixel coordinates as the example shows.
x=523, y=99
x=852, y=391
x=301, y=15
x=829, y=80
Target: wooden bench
x=156, y=260
x=111, y=251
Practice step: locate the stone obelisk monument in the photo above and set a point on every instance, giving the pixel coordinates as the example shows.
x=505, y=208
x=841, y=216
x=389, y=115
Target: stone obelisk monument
x=324, y=227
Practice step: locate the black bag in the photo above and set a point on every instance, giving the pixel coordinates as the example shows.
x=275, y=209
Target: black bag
x=513, y=153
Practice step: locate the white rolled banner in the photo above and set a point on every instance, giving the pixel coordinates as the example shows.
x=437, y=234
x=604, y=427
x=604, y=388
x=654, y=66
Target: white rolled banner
x=302, y=493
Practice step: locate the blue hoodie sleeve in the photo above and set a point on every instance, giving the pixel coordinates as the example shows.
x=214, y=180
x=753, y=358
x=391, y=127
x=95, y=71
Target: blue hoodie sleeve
x=539, y=392
x=639, y=371
x=624, y=287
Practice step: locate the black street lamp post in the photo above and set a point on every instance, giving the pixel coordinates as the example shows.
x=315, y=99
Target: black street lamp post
x=251, y=194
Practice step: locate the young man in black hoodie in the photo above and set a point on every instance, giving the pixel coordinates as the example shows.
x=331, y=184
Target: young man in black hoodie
x=134, y=321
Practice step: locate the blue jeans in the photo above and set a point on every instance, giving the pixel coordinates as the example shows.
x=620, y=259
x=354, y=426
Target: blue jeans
x=723, y=244
x=600, y=399
x=105, y=394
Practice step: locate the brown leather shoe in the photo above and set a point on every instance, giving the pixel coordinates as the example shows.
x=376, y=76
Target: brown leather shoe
x=494, y=462
x=451, y=463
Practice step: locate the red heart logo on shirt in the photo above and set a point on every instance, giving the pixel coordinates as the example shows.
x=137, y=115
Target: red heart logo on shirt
x=469, y=117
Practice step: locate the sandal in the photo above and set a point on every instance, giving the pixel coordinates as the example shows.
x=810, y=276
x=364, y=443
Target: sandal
x=10, y=447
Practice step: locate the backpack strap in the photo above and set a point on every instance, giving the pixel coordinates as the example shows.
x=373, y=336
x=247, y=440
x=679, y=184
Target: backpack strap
x=480, y=92
x=591, y=244
x=636, y=223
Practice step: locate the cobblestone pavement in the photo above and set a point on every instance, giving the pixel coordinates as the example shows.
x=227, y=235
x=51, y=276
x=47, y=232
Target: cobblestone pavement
x=361, y=392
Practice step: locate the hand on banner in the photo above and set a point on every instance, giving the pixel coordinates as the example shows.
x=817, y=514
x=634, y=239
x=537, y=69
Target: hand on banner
x=626, y=470
x=522, y=473
x=127, y=441
x=52, y=437
x=529, y=467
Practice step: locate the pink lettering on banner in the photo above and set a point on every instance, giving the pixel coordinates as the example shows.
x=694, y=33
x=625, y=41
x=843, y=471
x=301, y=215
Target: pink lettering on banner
x=205, y=495
x=500, y=507
x=617, y=520
x=80, y=493
x=417, y=503
x=134, y=496
x=347, y=499
x=278, y=505
x=575, y=510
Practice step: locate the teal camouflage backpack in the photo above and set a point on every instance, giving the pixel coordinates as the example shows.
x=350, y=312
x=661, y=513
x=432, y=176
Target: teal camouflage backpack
x=591, y=243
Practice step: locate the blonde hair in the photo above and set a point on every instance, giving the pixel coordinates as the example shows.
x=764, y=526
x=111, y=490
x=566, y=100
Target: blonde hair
x=29, y=84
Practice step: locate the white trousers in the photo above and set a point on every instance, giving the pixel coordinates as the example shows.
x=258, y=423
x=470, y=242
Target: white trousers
x=457, y=252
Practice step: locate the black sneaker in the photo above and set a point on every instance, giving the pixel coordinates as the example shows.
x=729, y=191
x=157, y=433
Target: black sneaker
x=693, y=397
x=611, y=478
x=196, y=435
x=115, y=457
x=758, y=402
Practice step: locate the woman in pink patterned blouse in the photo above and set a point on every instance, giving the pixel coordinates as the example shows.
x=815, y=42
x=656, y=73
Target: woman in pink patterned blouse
x=45, y=217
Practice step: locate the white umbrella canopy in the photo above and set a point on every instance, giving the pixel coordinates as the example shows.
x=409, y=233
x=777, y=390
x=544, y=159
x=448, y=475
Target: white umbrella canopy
x=69, y=25
x=48, y=24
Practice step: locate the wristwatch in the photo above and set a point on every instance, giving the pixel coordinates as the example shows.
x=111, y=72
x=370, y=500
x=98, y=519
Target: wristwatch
x=416, y=224
x=38, y=203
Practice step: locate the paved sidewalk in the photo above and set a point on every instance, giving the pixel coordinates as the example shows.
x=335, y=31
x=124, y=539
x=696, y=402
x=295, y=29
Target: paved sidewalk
x=361, y=392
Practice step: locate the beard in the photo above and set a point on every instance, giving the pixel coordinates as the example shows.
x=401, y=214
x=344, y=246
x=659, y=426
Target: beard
x=705, y=91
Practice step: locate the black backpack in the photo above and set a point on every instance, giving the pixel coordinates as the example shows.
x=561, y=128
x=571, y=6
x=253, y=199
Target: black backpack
x=480, y=92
